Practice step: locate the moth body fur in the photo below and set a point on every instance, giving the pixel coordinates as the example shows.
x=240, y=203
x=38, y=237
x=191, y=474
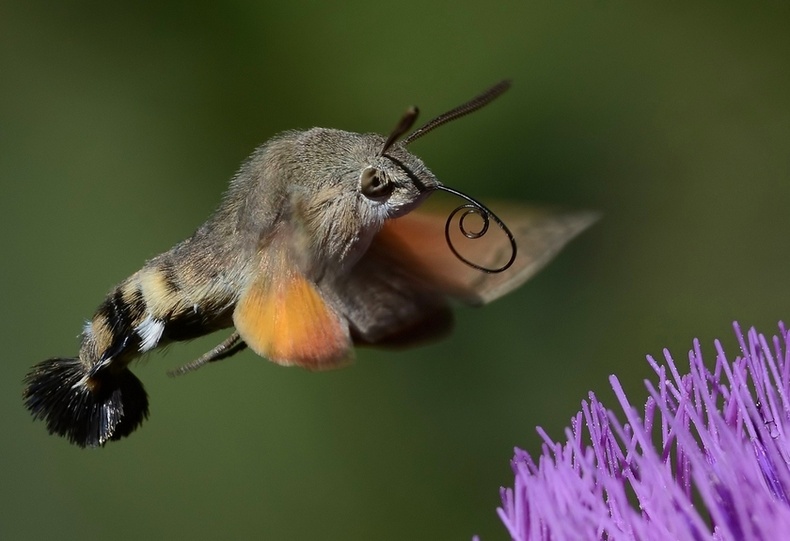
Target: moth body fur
x=316, y=246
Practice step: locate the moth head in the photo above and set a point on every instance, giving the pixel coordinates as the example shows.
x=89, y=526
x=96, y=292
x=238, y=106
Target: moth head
x=345, y=171
x=343, y=191
x=348, y=184
x=399, y=178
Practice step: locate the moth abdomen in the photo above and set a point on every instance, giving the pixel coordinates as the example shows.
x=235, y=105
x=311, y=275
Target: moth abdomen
x=161, y=303
x=94, y=397
x=88, y=407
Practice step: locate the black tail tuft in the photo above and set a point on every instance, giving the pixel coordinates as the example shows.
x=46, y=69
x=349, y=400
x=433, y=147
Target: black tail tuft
x=88, y=409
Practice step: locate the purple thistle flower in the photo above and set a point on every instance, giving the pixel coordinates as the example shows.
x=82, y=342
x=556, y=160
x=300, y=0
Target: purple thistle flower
x=709, y=458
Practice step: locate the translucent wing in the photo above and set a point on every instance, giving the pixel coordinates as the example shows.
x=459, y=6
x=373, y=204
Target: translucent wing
x=540, y=233
x=284, y=317
x=397, y=294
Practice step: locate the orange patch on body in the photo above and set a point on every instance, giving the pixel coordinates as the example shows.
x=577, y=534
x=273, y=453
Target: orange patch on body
x=286, y=320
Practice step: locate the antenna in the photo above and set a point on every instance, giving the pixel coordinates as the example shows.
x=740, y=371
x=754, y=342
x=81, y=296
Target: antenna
x=410, y=116
x=464, y=109
x=404, y=125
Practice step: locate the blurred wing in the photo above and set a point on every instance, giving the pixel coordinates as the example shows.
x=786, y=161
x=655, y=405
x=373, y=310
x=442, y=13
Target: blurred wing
x=396, y=295
x=388, y=303
x=283, y=317
x=540, y=233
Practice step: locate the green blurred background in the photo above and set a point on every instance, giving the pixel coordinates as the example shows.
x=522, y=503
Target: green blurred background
x=120, y=126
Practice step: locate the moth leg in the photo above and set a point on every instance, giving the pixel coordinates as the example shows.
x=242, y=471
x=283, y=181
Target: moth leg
x=232, y=345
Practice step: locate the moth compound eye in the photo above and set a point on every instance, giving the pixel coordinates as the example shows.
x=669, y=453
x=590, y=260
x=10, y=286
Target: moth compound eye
x=374, y=185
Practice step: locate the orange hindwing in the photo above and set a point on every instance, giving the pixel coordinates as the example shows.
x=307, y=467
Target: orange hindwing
x=283, y=317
